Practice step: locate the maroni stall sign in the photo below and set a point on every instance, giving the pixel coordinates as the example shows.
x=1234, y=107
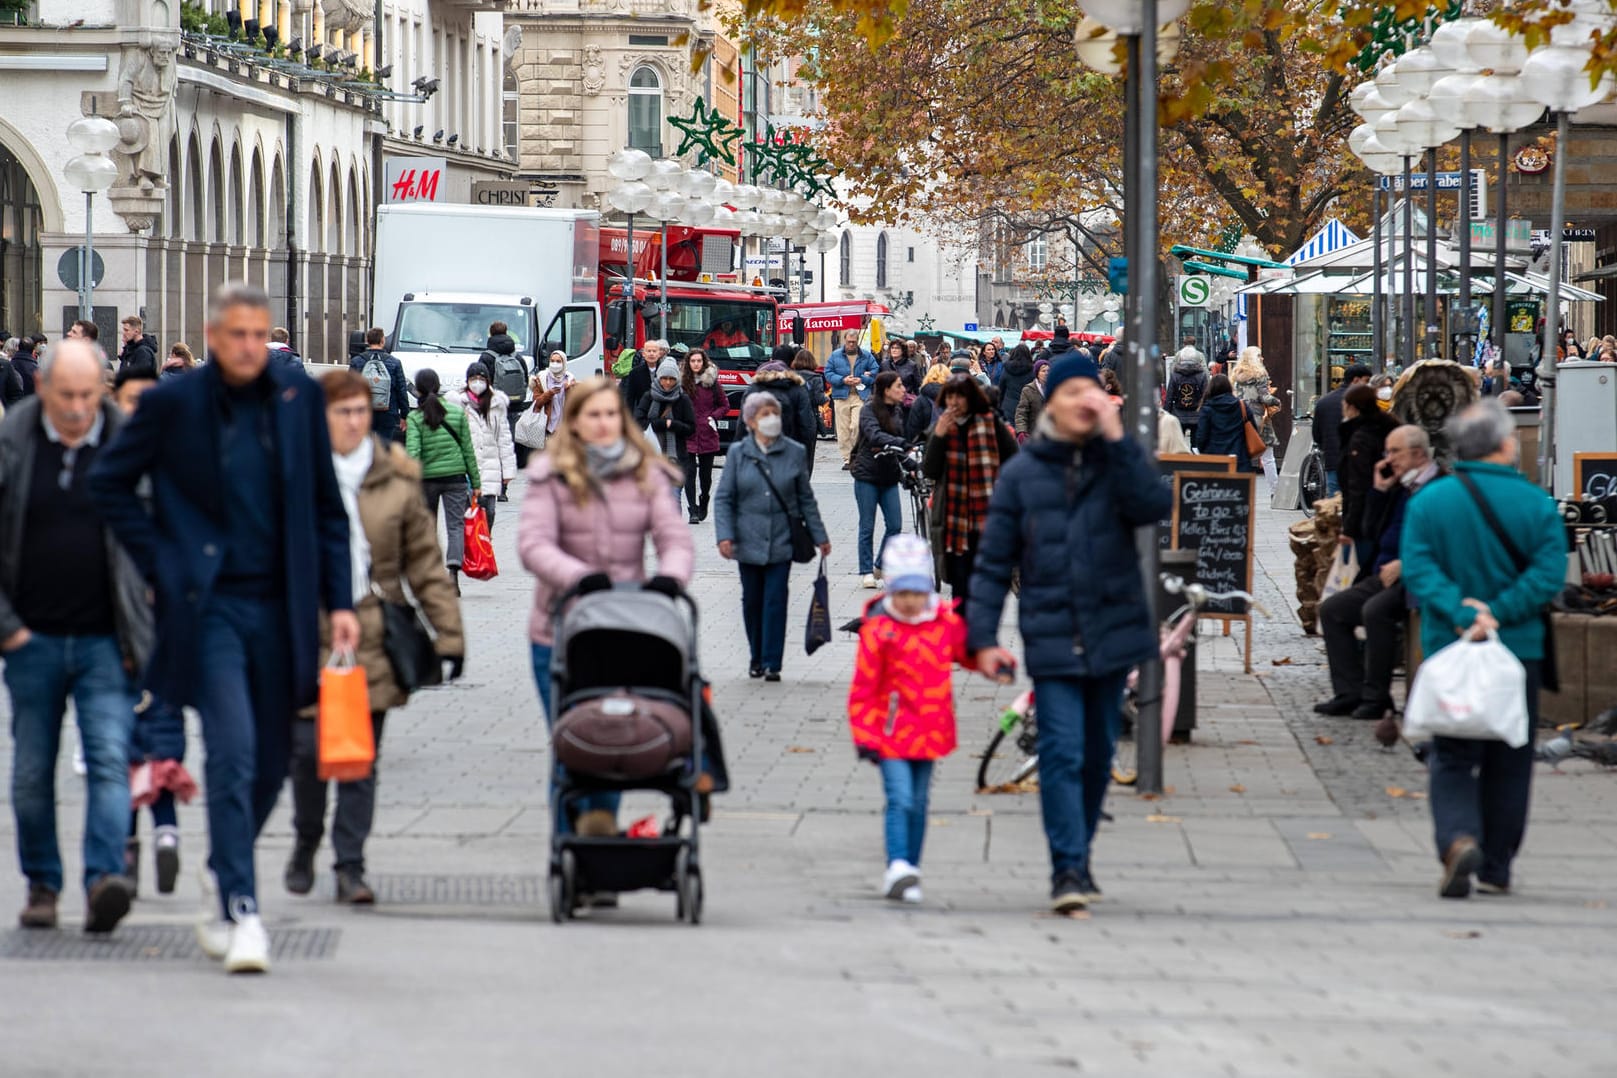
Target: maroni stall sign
x=414, y=179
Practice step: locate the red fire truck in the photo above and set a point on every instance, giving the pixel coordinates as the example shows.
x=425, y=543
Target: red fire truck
x=702, y=306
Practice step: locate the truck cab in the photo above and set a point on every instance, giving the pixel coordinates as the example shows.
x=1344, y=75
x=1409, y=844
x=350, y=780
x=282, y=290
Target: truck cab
x=447, y=331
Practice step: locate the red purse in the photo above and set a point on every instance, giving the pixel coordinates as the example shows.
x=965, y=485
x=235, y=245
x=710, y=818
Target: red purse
x=478, y=559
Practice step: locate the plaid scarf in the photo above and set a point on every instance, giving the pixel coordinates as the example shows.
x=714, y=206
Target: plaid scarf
x=973, y=463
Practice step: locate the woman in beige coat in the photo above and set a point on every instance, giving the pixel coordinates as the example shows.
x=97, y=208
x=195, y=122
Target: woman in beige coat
x=393, y=540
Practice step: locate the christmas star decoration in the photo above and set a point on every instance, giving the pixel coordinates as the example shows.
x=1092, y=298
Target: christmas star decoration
x=708, y=131
x=925, y=323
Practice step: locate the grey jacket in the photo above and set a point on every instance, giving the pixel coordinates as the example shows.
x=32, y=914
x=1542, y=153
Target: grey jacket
x=131, y=605
x=747, y=513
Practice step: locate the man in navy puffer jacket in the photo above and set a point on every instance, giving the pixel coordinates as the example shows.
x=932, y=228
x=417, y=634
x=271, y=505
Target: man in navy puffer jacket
x=1064, y=511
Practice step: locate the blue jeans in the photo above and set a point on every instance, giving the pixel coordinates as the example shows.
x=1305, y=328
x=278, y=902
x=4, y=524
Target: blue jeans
x=244, y=696
x=906, y=783
x=1078, y=721
x=1332, y=486
x=1482, y=789
x=868, y=496
x=541, y=675
x=763, y=609
x=40, y=675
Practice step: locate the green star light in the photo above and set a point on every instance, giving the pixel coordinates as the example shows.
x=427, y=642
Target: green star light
x=706, y=130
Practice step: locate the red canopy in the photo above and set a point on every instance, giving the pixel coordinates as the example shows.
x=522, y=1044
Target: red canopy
x=1038, y=335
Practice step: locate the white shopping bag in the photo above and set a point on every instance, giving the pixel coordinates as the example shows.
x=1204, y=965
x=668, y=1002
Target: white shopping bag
x=1474, y=689
x=1344, y=571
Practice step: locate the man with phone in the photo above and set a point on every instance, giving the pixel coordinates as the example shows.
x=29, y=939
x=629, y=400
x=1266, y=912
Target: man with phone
x=1064, y=512
x=1362, y=684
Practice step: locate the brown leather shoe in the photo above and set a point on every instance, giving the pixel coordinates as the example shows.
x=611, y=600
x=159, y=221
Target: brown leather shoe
x=41, y=909
x=1460, y=863
x=108, y=903
x=352, y=890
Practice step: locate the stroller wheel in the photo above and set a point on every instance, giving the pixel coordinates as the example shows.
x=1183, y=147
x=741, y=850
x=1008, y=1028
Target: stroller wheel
x=563, y=891
x=687, y=889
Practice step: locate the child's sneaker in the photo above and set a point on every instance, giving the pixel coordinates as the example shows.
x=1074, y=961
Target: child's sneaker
x=912, y=895
x=900, y=876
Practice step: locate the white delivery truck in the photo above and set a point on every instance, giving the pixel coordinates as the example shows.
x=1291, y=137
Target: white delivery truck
x=446, y=272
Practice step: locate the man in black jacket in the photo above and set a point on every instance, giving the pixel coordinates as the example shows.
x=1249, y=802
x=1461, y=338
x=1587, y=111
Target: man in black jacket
x=637, y=383
x=1328, y=423
x=139, y=347
x=388, y=421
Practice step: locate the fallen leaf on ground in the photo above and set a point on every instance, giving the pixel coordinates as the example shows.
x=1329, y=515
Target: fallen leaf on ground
x=1027, y=786
x=1247, y=741
x=1397, y=791
x=1169, y=791
x=1416, y=795
x=1281, y=662
x=1148, y=797
x=1237, y=789
x=799, y=748
x=1464, y=934
x=1317, y=835
x=1159, y=818
x=1324, y=739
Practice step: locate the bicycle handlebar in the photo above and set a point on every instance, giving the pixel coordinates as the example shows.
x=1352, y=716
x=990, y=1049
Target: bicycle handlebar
x=1198, y=596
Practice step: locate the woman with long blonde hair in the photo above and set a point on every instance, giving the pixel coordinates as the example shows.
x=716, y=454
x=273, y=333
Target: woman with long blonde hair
x=1250, y=377
x=595, y=495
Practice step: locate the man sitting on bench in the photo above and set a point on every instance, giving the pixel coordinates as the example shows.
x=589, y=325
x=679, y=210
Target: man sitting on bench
x=1363, y=683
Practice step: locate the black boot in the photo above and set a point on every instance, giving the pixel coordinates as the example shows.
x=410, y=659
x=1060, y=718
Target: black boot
x=702, y=511
x=299, y=876
x=696, y=515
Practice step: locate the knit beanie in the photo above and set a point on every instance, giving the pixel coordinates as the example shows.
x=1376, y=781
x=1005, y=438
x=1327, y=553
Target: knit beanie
x=1073, y=364
x=668, y=369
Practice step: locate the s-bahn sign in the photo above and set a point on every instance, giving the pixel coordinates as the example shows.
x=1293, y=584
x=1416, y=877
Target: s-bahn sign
x=1194, y=291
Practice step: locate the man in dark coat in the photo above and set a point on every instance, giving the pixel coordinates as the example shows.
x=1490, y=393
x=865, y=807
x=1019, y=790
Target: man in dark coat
x=387, y=422
x=139, y=347
x=1328, y=423
x=244, y=543
x=1064, y=513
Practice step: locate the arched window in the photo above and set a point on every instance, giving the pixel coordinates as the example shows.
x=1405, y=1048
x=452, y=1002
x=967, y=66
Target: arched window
x=845, y=259
x=646, y=111
x=881, y=260
x=510, y=128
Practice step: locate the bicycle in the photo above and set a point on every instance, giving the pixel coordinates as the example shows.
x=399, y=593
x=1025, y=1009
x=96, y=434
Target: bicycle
x=1018, y=723
x=913, y=480
x=1311, y=475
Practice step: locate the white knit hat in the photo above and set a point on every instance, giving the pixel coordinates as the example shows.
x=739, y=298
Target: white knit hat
x=906, y=564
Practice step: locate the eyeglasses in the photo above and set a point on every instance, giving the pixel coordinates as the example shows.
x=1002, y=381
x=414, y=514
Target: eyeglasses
x=70, y=457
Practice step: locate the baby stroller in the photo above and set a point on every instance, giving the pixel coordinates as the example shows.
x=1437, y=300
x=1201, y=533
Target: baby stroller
x=628, y=699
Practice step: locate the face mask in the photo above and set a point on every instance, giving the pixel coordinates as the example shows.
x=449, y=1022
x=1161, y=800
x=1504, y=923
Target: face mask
x=1384, y=393
x=476, y=386
x=558, y=368
x=769, y=426
x=1409, y=477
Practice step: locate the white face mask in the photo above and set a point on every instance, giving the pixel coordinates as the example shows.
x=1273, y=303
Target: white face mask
x=558, y=368
x=769, y=426
x=476, y=386
x=1385, y=393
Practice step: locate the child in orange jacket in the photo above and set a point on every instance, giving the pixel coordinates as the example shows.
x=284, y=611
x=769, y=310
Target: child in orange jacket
x=901, y=701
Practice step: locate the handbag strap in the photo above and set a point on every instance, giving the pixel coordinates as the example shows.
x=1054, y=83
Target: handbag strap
x=1492, y=519
x=770, y=483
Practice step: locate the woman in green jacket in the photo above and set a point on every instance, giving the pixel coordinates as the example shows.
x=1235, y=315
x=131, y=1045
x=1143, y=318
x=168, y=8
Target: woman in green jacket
x=437, y=435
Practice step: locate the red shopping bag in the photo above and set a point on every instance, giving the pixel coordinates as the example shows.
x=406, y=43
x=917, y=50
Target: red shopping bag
x=347, y=743
x=478, y=559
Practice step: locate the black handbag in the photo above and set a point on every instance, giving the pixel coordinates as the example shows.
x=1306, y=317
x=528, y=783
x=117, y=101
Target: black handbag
x=1549, y=674
x=803, y=545
x=818, y=631
x=409, y=646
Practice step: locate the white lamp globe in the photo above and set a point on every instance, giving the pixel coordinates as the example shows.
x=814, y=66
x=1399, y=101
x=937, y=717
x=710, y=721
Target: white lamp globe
x=665, y=175
x=1128, y=16
x=1493, y=48
x=93, y=134
x=1424, y=127
x=771, y=201
x=1557, y=77
x=1452, y=95
x=825, y=220
x=723, y=193
x=696, y=213
x=774, y=224
x=824, y=242
x=1378, y=159
x=1501, y=104
x=724, y=217
x=631, y=197
x=745, y=197
x=1372, y=106
x=698, y=184
x=1395, y=139
x=1360, y=137
x=667, y=206
x=1391, y=89
x=1418, y=69
x=629, y=165
x=750, y=222
x=1448, y=44
x=91, y=172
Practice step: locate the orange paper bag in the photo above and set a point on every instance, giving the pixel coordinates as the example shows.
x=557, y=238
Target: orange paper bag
x=347, y=741
x=478, y=559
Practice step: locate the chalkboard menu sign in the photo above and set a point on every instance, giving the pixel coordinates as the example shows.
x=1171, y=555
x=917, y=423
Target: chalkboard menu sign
x=1594, y=475
x=1169, y=465
x=1212, y=514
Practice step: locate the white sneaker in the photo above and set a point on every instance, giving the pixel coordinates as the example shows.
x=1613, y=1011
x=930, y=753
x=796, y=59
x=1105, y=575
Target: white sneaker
x=79, y=766
x=249, y=946
x=869, y=583
x=912, y=895
x=213, y=931
x=900, y=875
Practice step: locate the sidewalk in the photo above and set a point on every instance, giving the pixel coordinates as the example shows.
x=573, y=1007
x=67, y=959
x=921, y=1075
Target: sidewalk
x=1274, y=915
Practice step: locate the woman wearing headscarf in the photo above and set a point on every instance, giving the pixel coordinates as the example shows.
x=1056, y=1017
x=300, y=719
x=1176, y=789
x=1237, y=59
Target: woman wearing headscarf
x=765, y=485
x=437, y=435
x=968, y=446
x=393, y=542
x=549, y=386
x=709, y=405
x=1251, y=383
x=595, y=496
x=486, y=409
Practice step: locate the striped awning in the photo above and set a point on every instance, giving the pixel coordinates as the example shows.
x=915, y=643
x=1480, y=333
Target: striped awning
x=1333, y=237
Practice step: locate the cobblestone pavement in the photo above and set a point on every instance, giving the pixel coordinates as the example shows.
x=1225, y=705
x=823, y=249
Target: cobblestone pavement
x=1274, y=915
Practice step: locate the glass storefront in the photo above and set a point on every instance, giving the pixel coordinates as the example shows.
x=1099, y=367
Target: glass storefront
x=20, y=265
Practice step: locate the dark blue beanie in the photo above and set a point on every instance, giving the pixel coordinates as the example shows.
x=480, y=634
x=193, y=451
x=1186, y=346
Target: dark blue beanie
x=1074, y=364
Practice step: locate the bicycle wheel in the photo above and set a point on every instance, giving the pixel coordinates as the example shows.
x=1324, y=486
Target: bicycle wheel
x=1010, y=758
x=1311, y=481
x=918, y=511
x=1125, y=756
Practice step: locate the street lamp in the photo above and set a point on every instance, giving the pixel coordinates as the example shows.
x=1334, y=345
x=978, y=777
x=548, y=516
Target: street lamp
x=1137, y=22
x=1557, y=78
x=1451, y=96
x=1395, y=137
x=632, y=195
x=1500, y=104
x=1426, y=128
x=91, y=171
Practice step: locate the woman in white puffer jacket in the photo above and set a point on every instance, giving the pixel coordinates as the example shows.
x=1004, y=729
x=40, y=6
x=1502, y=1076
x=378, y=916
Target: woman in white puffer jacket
x=486, y=409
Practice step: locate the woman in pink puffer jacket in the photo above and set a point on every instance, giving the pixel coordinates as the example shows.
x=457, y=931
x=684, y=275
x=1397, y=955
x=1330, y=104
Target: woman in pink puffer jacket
x=591, y=503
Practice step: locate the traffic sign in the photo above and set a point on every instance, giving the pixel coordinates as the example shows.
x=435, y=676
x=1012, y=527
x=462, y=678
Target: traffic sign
x=1194, y=291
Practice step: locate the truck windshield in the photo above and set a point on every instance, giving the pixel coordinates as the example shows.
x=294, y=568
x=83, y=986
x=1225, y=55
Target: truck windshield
x=461, y=327
x=736, y=333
